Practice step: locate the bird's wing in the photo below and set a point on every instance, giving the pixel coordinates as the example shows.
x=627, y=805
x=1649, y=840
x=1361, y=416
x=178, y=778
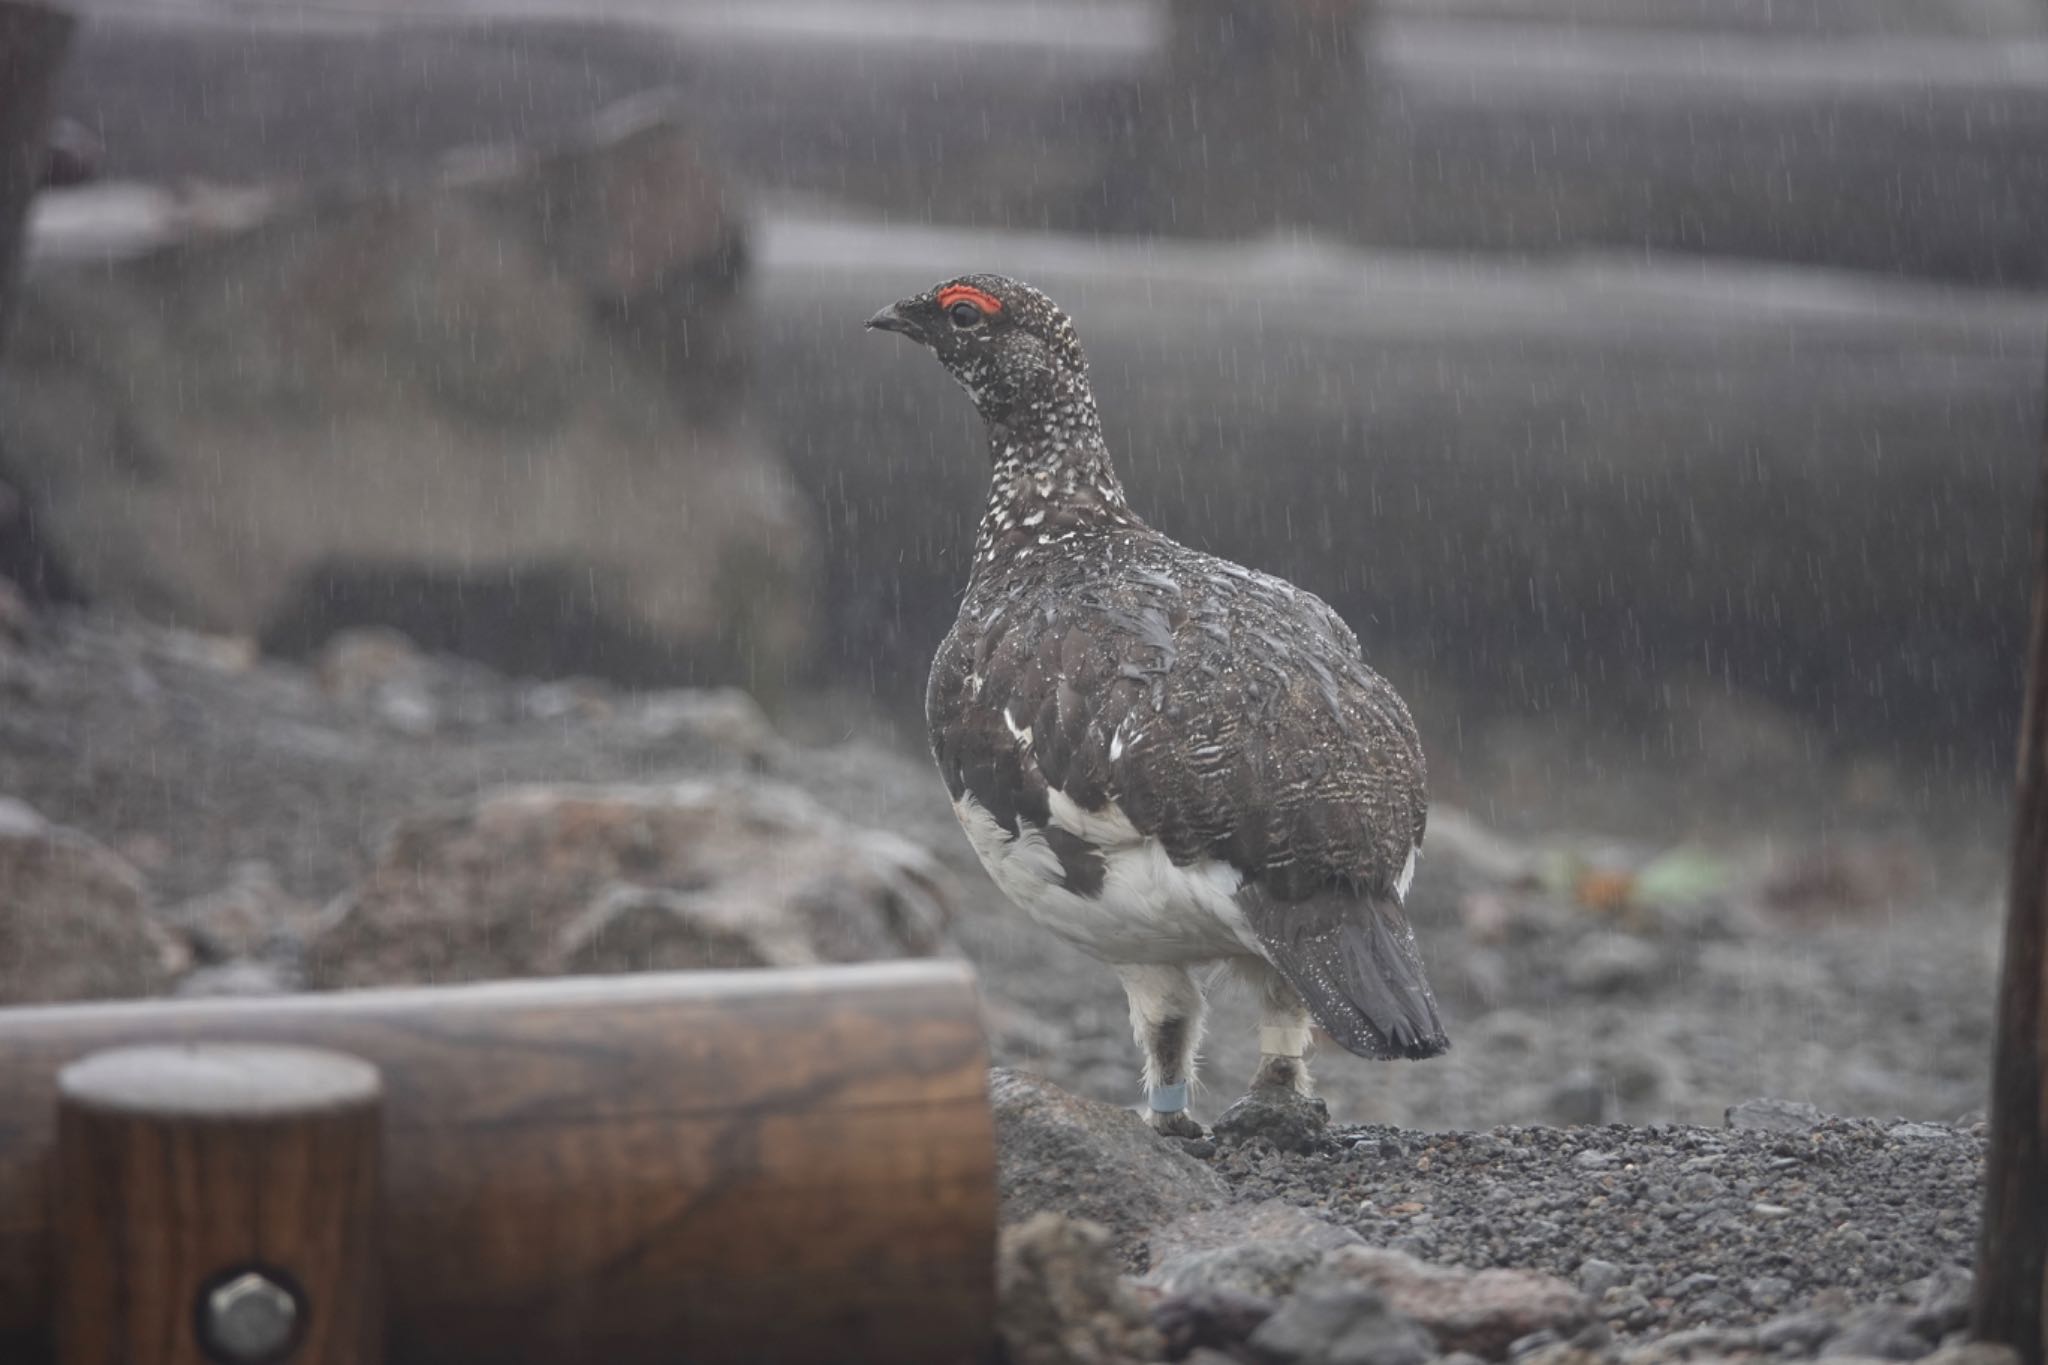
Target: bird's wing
x=1230, y=717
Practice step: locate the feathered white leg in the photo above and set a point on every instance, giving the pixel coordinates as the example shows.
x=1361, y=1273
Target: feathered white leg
x=1166, y=1018
x=1283, y=1029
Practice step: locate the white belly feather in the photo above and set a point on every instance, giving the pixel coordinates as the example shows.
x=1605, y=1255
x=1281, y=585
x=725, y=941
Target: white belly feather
x=1149, y=910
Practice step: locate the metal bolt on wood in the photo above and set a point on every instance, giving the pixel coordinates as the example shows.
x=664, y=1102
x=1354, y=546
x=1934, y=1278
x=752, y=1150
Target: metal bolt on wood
x=207, y=1194
x=249, y=1320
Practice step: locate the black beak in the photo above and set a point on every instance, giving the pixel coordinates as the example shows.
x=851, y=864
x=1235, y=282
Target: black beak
x=894, y=319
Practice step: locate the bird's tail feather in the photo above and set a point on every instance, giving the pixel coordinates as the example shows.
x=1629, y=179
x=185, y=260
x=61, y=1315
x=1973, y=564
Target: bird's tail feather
x=1360, y=974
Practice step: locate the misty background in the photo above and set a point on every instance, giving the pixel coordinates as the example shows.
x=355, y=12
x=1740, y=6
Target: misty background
x=1656, y=388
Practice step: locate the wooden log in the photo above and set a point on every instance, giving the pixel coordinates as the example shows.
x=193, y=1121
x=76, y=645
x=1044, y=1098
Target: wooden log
x=216, y=1204
x=727, y=1166
x=2012, y=1252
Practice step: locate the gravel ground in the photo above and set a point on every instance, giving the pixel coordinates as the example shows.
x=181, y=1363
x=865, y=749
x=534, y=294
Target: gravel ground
x=1665, y=1226
x=1848, y=961
x=1576, y=1128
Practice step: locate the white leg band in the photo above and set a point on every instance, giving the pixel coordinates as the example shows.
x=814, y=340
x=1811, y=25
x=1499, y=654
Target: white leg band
x=1169, y=1099
x=1282, y=1040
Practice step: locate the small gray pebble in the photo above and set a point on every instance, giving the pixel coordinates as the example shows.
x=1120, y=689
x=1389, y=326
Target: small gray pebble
x=1797, y=1332
x=1596, y=1277
x=1713, y=1306
x=1768, y=1291
x=1594, y=1336
x=1699, y=1187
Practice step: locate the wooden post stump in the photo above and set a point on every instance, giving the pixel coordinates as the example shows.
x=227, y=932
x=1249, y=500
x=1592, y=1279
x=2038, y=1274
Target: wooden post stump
x=217, y=1205
x=723, y=1168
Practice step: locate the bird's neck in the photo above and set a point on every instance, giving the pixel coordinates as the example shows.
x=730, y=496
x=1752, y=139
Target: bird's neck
x=1052, y=481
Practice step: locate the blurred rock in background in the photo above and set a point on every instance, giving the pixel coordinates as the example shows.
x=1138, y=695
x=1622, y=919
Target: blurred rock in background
x=539, y=879
x=1594, y=373
x=501, y=408
x=76, y=922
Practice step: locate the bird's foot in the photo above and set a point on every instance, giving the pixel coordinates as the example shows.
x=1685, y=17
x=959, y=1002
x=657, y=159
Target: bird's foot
x=1167, y=1111
x=1283, y=1073
x=1175, y=1124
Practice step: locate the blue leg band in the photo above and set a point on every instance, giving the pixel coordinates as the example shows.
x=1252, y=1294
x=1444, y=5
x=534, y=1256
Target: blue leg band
x=1170, y=1099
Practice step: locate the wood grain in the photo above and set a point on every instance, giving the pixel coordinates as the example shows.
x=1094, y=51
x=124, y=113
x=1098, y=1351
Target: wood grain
x=179, y=1166
x=722, y=1166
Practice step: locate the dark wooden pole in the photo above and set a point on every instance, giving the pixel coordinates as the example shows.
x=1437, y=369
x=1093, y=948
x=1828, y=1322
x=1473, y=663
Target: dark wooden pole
x=796, y=1166
x=2013, y=1252
x=32, y=43
x=217, y=1205
x=33, y=39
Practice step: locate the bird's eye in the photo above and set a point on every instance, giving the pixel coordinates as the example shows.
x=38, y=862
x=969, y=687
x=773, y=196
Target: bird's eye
x=965, y=314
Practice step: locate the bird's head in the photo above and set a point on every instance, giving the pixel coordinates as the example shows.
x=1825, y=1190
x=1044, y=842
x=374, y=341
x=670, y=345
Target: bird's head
x=1006, y=343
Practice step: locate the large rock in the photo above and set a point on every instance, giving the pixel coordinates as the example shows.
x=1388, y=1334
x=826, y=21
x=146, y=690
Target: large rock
x=1267, y=1271
x=74, y=917
x=1333, y=1324
x=1291, y=1122
x=727, y=872
x=497, y=409
x=1061, y=1153
x=1477, y=1311
x=1060, y=1300
x=1268, y=1221
x=1259, y=1250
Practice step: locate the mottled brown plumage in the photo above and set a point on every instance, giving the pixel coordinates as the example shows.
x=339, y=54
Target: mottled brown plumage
x=1106, y=690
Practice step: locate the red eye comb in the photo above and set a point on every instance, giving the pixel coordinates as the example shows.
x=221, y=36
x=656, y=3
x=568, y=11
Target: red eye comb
x=980, y=298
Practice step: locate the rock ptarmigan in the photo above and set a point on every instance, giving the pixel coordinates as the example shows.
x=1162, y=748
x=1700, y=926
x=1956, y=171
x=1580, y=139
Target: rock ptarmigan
x=1163, y=757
